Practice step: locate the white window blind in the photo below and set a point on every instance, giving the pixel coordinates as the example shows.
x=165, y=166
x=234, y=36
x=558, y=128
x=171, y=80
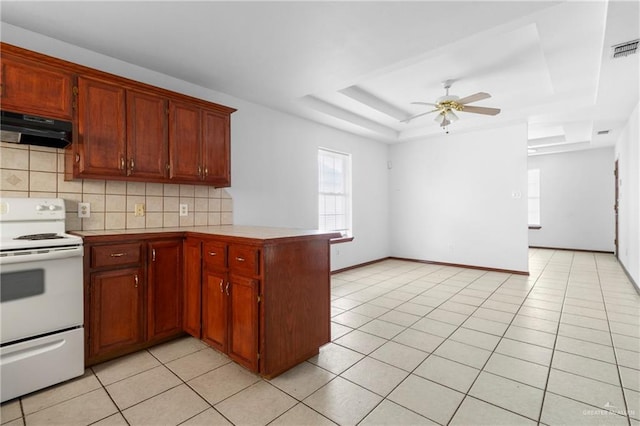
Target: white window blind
x=534, y=197
x=334, y=191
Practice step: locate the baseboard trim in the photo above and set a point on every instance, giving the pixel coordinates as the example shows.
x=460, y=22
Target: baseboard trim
x=635, y=285
x=571, y=249
x=348, y=268
x=430, y=262
x=457, y=265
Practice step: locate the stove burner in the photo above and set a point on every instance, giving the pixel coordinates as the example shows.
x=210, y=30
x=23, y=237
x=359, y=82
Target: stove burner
x=47, y=236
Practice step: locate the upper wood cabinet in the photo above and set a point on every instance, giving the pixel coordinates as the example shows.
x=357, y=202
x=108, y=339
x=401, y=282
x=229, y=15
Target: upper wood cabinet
x=199, y=144
x=100, y=145
x=123, y=129
x=33, y=88
x=147, y=135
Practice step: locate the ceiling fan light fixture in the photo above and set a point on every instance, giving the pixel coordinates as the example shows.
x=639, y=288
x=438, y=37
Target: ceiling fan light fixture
x=451, y=116
x=440, y=118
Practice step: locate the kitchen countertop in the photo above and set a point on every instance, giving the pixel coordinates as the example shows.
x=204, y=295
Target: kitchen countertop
x=237, y=231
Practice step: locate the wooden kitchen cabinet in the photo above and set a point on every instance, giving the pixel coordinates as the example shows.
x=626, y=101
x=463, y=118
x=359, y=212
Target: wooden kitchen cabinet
x=115, y=311
x=100, y=145
x=164, y=288
x=32, y=87
x=192, y=296
x=199, y=144
x=243, y=316
x=133, y=294
x=184, y=142
x=263, y=300
x=147, y=135
x=122, y=129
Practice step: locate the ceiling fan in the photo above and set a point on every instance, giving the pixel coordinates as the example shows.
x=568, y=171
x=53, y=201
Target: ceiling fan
x=447, y=104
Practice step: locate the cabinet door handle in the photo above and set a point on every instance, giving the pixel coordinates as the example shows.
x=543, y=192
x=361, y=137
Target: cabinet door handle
x=121, y=162
x=240, y=259
x=131, y=164
x=221, y=289
x=199, y=171
x=135, y=280
x=206, y=171
x=226, y=289
x=77, y=158
x=153, y=255
x=118, y=254
x=212, y=253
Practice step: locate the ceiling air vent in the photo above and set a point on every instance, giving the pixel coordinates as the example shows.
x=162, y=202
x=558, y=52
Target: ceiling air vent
x=604, y=132
x=625, y=49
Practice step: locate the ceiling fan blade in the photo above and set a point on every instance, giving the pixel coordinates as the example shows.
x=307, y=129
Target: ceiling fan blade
x=406, y=120
x=474, y=98
x=423, y=103
x=481, y=110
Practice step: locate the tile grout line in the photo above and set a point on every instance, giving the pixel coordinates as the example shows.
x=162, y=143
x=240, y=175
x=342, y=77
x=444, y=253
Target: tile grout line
x=615, y=354
x=555, y=340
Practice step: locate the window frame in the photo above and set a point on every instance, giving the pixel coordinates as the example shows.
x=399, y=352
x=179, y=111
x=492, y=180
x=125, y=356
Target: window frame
x=346, y=193
x=533, y=198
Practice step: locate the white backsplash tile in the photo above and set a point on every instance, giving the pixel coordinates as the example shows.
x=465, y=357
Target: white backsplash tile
x=30, y=171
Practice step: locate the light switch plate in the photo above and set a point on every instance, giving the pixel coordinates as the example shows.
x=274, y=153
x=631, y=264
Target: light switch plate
x=184, y=209
x=84, y=210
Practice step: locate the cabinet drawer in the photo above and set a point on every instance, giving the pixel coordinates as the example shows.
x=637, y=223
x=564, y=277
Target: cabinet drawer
x=115, y=254
x=215, y=255
x=244, y=259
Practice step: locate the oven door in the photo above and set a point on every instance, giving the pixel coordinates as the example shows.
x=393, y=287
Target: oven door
x=41, y=292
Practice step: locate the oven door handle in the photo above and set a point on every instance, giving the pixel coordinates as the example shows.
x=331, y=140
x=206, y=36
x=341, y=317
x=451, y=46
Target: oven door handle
x=42, y=255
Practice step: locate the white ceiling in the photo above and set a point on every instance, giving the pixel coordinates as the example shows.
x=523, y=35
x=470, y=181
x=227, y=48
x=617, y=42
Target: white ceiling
x=357, y=66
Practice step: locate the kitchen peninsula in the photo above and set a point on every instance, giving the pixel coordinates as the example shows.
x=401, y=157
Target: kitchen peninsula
x=260, y=295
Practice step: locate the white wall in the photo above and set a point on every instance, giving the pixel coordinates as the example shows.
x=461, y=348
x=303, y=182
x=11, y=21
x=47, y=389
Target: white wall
x=452, y=199
x=627, y=153
x=273, y=157
x=275, y=179
x=576, y=200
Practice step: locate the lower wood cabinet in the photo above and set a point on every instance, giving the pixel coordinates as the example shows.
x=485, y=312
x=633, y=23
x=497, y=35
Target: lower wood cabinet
x=263, y=302
x=164, y=289
x=115, y=310
x=133, y=295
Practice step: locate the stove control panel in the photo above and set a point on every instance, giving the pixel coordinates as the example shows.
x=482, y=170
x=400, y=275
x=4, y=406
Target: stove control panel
x=31, y=209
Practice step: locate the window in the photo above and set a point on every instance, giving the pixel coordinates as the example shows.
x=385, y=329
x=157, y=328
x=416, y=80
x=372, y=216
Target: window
x=334, y=191
x=534, y=197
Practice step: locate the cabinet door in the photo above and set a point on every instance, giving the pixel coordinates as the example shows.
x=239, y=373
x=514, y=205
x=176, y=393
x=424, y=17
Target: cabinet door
x=192, y=287
x=184, y=142
x=101, y=140
x=116, y=310
x=214, y=309
x=243, y=321
x=147, y=135
x=164, y=289
x=216, y=148
x=34, y=88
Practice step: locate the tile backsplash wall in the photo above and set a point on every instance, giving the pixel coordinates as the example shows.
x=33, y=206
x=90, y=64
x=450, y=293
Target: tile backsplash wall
x=33, y=171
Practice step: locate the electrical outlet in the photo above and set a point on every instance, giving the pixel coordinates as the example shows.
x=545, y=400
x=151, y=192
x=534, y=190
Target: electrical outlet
x=138, y=209
x=184, y=210
x=84, y=210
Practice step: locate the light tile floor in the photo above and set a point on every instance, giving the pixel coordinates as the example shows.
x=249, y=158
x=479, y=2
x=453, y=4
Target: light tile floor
x=412, y=344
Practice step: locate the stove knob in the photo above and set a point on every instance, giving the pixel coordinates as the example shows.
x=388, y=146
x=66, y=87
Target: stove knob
x=40, y=207
x=52, y=207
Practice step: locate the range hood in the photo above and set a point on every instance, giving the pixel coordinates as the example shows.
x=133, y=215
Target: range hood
x=33, y=130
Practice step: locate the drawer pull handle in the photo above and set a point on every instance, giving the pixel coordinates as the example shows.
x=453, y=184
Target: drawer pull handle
x=117, y=254
x=226, y=289
x=240, y=259
x=221, y=289
x=212, y=253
